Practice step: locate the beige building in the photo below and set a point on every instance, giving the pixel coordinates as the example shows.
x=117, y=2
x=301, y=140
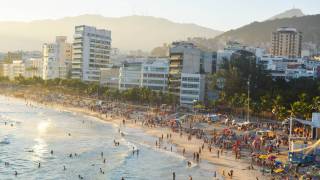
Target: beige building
x=14, y=69
x=57, y=59
x=286, y=42
x=27, y=68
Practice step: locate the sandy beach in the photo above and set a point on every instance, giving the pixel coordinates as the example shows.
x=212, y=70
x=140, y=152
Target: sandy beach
x=224, y=163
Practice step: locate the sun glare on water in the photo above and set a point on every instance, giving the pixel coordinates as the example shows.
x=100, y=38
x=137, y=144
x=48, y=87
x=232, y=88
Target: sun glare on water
x=43, y=126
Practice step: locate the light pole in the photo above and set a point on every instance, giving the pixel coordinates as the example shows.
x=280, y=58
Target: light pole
x=290, y=132
x=194, y=104
x=248, y=110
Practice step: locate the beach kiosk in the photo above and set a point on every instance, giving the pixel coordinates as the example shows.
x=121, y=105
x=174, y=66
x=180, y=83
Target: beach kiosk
x=300, y=150
x=315, y=126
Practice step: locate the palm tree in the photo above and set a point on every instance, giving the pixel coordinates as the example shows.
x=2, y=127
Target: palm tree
x=316, y=104
x=301, y=108
x=278, y=109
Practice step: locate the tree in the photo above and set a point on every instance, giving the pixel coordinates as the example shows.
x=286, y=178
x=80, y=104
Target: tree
x=301, y=108
x=316, y=104
x=278, y=109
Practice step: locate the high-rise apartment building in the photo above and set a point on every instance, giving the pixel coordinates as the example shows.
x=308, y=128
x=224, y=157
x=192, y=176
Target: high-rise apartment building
x=91, y=52
x=187, y=68
x=57, y=59
x=184, y=58
x=286, y=42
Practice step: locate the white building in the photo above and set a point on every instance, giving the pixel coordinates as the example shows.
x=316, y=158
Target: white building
x=91, y=52
x=289, y=68
x=192, y=88
x=57, y=59
x=151, y=73
x=299, y=72
x=155, y=74
x=130, y=75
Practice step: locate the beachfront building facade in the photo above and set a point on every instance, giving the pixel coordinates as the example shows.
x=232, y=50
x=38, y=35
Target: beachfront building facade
x=57, y=59
x=91, y=52
x=150, y=73
x=155, y=74
x=33, y=67
x=192, y=88
x=286, y=42
x=188, y=66
x=130, y=75
x=27, y=68
x=14, y=69
x=110, y=77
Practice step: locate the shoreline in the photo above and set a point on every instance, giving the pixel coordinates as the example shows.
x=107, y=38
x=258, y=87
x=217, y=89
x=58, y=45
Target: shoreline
x=225, y=163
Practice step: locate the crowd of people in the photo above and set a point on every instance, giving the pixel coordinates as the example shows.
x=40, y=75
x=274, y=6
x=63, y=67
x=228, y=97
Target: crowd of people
x=263, y=151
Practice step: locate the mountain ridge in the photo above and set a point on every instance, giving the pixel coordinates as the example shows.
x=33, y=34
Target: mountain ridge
x=294, y=12
x=126, y=32
x=259, y=33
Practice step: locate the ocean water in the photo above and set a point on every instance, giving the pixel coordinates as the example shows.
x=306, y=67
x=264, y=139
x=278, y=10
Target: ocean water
x=32, y=132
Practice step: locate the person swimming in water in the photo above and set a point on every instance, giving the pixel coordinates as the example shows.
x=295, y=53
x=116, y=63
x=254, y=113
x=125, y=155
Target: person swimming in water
x=189, y=164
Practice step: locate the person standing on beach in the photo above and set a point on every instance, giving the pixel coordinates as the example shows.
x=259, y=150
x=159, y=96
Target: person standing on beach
x=173, y=176
x=231, y=173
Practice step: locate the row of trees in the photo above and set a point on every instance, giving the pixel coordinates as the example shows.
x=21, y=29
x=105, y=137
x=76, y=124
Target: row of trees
x=269, y=98
x=77, y=87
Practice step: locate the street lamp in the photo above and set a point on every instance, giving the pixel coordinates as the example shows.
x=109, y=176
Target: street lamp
x=194, y=108
x=248, y=110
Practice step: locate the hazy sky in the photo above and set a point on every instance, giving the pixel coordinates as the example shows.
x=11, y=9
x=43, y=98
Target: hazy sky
x=216, y=14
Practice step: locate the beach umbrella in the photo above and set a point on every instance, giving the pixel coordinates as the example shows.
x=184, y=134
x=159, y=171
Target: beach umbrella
x=263, y=156
x=271, y=157
x=279, y=170
x=277, y=163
